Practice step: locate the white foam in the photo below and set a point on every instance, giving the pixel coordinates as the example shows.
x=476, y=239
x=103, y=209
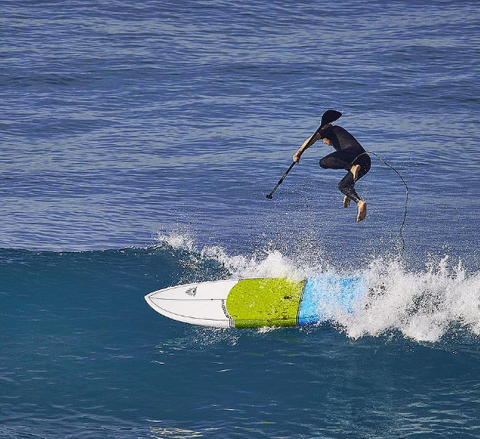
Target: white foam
x=177, y=240
x=423, y=306
x=269, y=263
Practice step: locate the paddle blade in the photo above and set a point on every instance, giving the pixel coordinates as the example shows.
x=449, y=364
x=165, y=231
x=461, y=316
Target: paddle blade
x=330, y=116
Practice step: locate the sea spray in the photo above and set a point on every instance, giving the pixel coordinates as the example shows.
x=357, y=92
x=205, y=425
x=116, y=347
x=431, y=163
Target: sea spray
x=263, y=263
x=423, y=306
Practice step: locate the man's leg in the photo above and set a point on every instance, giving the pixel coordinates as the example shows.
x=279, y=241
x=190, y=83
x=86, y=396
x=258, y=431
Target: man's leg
x=342, y=160
x=347, y=187
x=335, y=160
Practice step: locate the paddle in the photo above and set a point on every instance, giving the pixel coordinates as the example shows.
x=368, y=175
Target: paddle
x=328, y=117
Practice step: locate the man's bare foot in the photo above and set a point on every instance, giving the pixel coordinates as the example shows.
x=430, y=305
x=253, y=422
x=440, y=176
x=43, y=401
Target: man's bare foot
x=355, y=169
x=346, y=201
x=362, y=210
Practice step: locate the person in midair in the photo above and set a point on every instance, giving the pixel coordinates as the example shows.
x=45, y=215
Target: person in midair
x=349, y=155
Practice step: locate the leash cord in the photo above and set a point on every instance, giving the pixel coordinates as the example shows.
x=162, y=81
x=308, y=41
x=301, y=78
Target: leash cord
x=402, y=226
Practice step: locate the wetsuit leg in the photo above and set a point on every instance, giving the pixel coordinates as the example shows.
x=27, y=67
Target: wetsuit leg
x=343, y=160
x=347, y=184
x=347, y=187
x=335, y=160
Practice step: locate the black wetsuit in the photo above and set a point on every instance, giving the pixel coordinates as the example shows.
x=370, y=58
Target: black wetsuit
x=348, y=152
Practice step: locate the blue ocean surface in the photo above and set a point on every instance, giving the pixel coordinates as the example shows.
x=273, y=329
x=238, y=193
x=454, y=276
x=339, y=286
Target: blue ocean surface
x=138, y=142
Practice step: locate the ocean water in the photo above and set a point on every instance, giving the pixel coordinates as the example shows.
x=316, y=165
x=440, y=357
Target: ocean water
x=139, y=140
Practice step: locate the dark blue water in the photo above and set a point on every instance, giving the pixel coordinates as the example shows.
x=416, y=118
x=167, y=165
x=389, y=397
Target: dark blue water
x=139, y=140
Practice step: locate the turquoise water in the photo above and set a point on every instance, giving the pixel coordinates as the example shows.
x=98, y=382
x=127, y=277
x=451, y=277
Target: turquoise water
x=84, y=356
x=139, y=140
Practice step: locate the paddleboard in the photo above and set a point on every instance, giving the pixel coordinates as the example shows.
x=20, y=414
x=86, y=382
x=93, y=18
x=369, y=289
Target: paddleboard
x=253, y=303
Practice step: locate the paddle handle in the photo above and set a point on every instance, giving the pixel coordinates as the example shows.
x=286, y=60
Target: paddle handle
x=270, y=195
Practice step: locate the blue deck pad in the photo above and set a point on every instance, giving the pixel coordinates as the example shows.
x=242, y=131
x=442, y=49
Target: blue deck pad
x=326, y=295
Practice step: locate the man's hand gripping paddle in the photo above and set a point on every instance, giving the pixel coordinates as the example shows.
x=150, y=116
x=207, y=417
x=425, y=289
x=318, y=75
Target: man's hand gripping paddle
x=328, y=117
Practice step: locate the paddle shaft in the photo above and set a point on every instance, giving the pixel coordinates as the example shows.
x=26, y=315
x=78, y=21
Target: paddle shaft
x=270, y=195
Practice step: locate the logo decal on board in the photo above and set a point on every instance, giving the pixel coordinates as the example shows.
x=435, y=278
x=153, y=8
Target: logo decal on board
x=192, y=291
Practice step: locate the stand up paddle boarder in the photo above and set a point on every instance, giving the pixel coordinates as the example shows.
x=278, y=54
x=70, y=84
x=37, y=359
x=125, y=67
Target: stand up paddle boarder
x=349, y=155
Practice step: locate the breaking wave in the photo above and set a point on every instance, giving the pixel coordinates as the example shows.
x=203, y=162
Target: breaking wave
x=424, y=305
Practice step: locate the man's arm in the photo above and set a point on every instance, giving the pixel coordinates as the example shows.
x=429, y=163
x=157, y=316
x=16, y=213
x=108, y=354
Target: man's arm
x=305, y=145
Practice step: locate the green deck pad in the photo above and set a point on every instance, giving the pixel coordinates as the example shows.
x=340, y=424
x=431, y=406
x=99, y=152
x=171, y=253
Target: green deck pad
x=264, y=302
